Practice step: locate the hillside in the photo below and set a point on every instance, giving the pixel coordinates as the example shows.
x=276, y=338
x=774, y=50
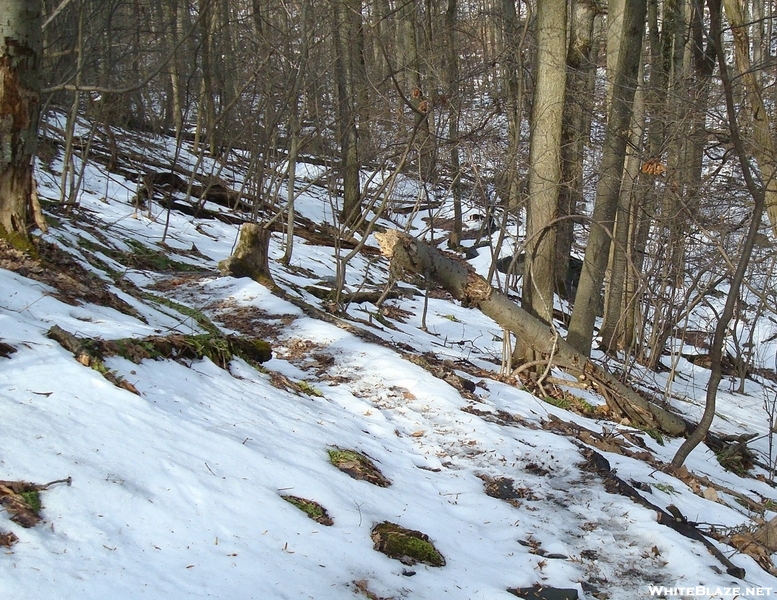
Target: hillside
x=177, y=462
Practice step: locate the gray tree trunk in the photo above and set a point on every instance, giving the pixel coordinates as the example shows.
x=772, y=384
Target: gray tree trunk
x=512, y=38
x=545, y=161
x=452, y=85
x=581, y=63
x=761, y=118
x=587, y=300
x=346, y=50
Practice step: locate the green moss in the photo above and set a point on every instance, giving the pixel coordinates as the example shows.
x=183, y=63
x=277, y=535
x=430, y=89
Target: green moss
x=655, y=434
x=586, y=407
x=308, y=389
x=358, y=466
x=338, y=456
x=218, y=348
x=311, y=508
x=139, y=256
x=380, y=318
x=736, y=458
x=252, y=350
x=192, y=313
x=406, y=545
x=32, y=498
x=20, y=241
x=562, y=402
x=665, y=487
x=143, y=257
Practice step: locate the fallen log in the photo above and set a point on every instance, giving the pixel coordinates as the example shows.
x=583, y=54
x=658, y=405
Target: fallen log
x=460, y=280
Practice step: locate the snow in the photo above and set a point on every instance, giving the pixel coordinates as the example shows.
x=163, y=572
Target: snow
x=177, y=492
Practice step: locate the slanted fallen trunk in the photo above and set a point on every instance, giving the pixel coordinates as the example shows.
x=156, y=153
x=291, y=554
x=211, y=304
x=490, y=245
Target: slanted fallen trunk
x=458, y=279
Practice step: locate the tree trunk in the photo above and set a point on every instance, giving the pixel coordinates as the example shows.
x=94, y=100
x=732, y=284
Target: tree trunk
x=759, y=193
x=766, y=535
x=452, y=86
x=473, y=290
x=20, y=63
x=588, y=297
x=512, y=72
x=762, y=145
x=295, y=126
x=346, y=31
x=581, y=62
x=613, y=332
x=545, y=161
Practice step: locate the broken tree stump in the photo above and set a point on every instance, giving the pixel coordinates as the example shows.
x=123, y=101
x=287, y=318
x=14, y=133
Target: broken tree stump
x=251, y=256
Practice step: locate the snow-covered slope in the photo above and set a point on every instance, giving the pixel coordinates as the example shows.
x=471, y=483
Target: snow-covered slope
x=177, y=491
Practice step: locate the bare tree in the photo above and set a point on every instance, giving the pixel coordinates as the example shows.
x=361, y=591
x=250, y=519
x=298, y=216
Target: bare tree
x=20, y=63
x=347, y=29
x=545, y=161
x=587, y=299
x=758, y=193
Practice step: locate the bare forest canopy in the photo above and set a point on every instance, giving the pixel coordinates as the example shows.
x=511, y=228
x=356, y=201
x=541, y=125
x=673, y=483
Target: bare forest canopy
x=622, y=152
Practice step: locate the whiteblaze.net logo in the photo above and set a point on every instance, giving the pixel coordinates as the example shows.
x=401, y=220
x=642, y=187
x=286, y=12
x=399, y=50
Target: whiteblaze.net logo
x=702, y=591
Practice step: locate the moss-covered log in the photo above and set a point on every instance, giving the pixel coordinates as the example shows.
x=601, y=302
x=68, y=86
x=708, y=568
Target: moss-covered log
x=220, y=349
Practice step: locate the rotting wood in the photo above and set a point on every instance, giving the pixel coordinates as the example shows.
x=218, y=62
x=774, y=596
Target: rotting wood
x=458, y=278
x=251, y=256
x=766, y=535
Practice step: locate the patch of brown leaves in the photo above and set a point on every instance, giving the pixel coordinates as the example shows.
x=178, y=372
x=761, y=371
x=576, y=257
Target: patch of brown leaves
x=250, y=321
x=55, y=267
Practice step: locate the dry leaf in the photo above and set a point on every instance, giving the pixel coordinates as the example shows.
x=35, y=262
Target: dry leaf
x=8, y=538
x=20, y=510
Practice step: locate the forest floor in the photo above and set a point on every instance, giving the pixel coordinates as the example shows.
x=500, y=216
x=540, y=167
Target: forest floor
x=163, y=449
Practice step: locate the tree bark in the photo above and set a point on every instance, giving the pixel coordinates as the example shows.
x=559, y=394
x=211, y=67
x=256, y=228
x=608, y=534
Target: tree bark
x=513, y=33
x=452, y=85
x=347, y=24
x=20, y=64
x=762, y=144
x=545, y=161
x=575, y=133
x=588, y=295
x=251, y=256
x=407, y=253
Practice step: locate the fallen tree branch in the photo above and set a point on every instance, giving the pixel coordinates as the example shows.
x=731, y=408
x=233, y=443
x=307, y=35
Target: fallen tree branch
x=458, y=278
x=676, y=521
